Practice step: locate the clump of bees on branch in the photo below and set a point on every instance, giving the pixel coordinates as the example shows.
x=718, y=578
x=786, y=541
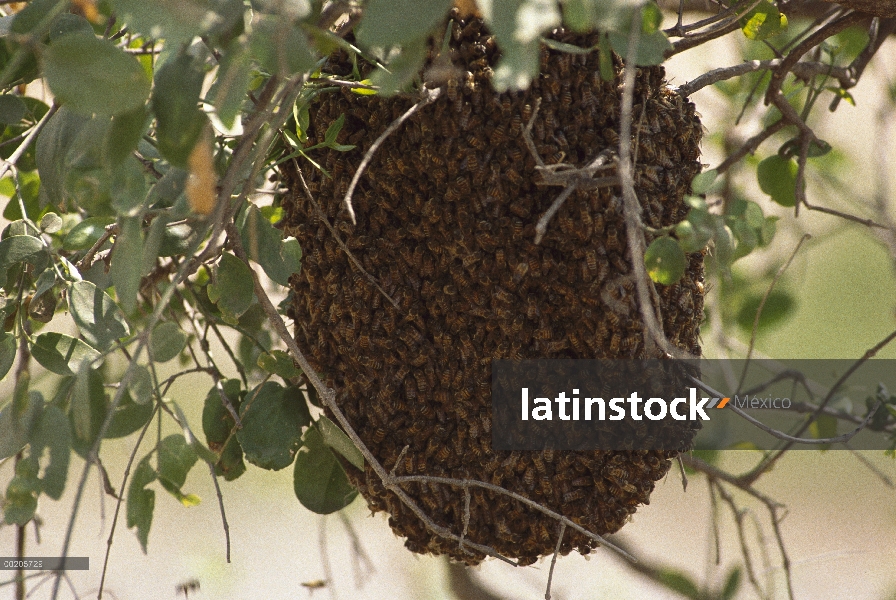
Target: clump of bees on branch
x=446, y=216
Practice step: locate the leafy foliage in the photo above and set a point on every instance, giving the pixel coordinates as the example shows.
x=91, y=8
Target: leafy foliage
x=135, y=229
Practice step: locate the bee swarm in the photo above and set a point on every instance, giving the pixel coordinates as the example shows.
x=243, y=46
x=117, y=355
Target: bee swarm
x=446, y=215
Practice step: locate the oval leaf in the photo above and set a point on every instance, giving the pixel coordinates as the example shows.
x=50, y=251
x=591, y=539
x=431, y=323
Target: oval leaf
x=167, y=341
x=62, y=354
x=665, y=261
x=777, y=178
x=81, y=70
x=336, y=439
x=233, y=286
x=319, y=480
x=99, y=319
x=272, y=426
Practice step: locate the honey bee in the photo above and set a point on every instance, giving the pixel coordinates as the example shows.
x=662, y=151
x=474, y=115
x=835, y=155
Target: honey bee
x=476, y=142
x=379, y=434
x=532, y=311
x=612, y=238
x=573, y=496
x=513, y=176
x=529, y=478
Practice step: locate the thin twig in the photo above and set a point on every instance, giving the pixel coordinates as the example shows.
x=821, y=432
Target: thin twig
x=323, y=217
x=542, y=225
x=751, y=145
x=429, y=96
x=653, y=330
x=211, y=468
x=784, y=436
x=741, y=534
x=124, y=481
x=547, y=593
x=762, y=305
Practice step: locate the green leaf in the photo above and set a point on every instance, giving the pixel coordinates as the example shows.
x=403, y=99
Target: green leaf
x=767, y=232
x=763, y=22
x=823, y=427
x=50, y=223
x=229, y=90
x=81, y=71
x=279, y=47
x=319, y=480
x=175, y=102
x=86, y=233
x=777, y=178
x=20, y=502
x=88, y=407
x=753, y=215
x=176, y=458
x=167, y=341
x=123, y=136
x=732, y=584
x=7, y=353
x=140, y=385
x=29, y=187
x=746, y=238
x=724, y=244
x=842, y=93
x=279, y=363
x=52, y=432
x=19, y=248
x=17, y=419
x=333, y=131
x=402, y=68
x=34, y=14
x=141, y=501
x=518, y=26
x=263, y=244
x=651, y=49
x=62, y=354
x=177, y=22
x=386, y=22
x=337, y=439
x=128, y=187
x=703, y=181
x=52, y=148
x=67, y=23
x=233, y=286
x=99, y=319
x=651, y=18
x=127, y=262
x=217, y=423
x=688, y=237
x=681, y=583
x=272, y=426
x=779, y=307
x=12, y=109
x=128, y=417
x=665, y=260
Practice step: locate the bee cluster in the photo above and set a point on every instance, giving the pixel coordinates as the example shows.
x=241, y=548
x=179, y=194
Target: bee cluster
x=446, y=215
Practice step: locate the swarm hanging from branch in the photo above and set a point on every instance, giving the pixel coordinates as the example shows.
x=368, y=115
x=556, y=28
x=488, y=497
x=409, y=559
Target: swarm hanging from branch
x=446, y=216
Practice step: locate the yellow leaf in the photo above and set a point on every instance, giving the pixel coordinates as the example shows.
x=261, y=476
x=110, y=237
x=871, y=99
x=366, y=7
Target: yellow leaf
x=201, y=189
